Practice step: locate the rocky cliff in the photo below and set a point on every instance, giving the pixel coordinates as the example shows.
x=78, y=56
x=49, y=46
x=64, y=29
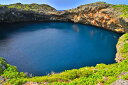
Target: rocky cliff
x=122, y=48
x=98, y=14
x=101, y=15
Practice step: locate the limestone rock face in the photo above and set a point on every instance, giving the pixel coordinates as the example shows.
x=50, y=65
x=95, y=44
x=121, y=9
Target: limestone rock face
x=100, y=15
x=31, y=83
x=35, y=83
x=97, y=14
x=120, y=82
x=2, y=80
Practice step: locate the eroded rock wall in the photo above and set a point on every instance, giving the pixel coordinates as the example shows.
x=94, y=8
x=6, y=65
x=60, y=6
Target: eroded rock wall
x=101, y=15
x=122, y=48
x=104, y=16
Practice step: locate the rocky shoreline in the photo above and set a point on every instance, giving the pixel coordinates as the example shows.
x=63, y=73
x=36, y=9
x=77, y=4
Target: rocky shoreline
x=122, y=44
x=96, y=14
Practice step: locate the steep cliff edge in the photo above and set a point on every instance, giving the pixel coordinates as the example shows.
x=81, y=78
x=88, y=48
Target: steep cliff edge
x=122, y=48
x=102, y=15
x=98, y=14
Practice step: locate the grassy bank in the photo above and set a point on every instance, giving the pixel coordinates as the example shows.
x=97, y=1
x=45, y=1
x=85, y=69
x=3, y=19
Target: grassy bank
x=30, y=7
x=123, y=9
x=101, y=73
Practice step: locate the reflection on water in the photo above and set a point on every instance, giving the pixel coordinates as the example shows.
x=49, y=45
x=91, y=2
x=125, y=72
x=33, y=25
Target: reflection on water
x=41, y=48
x=75, y=28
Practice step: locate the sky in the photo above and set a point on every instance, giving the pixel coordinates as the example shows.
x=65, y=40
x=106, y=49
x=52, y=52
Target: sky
x=62, y=4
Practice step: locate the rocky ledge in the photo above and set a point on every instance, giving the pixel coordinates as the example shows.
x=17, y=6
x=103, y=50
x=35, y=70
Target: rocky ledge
x=98, y=14
x=122, y=48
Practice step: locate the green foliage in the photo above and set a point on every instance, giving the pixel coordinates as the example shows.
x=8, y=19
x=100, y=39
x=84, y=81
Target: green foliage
x=30, y=7
x=12, y=72
x=2, y=63
x=100, y=74
x=125, y=48
x=123, y=44
x=125, y=77
x=123, y=9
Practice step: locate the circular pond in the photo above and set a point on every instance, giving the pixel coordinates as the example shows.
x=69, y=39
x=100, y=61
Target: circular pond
x=41, y=48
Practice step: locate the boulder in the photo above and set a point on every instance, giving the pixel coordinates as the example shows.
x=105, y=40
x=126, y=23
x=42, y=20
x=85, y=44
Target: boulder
x=120, y=82
x=3, y=64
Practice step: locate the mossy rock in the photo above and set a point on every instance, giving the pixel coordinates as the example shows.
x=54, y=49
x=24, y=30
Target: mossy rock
x=3, y=64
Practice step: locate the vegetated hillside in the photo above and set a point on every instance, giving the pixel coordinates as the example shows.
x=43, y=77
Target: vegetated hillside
x=99, y=14
x=30, y=7
x=123, y=9
x=96, y=4
x=101, y=74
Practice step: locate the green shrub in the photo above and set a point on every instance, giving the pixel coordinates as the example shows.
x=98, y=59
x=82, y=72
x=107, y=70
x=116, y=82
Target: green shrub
x=101, y=73
x=123, y=9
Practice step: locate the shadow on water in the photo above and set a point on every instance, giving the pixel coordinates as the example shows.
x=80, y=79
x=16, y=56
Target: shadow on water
x=40, y=48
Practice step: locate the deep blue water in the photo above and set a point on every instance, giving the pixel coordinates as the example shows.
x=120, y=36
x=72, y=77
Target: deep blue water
x=42, y=48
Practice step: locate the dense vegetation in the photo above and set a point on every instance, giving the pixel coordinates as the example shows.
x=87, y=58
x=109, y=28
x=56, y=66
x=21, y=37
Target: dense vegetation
x=30, y=7
x=123, y=51
x=123, y=9
x=101, y=73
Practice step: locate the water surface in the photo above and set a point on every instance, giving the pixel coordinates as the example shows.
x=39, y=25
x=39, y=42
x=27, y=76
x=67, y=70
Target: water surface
x=42, y=48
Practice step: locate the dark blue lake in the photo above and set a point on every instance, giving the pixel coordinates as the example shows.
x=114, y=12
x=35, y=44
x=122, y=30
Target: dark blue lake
x=42, y=48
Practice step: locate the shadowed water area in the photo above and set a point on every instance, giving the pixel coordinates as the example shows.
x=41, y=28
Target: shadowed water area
x=41, y=48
